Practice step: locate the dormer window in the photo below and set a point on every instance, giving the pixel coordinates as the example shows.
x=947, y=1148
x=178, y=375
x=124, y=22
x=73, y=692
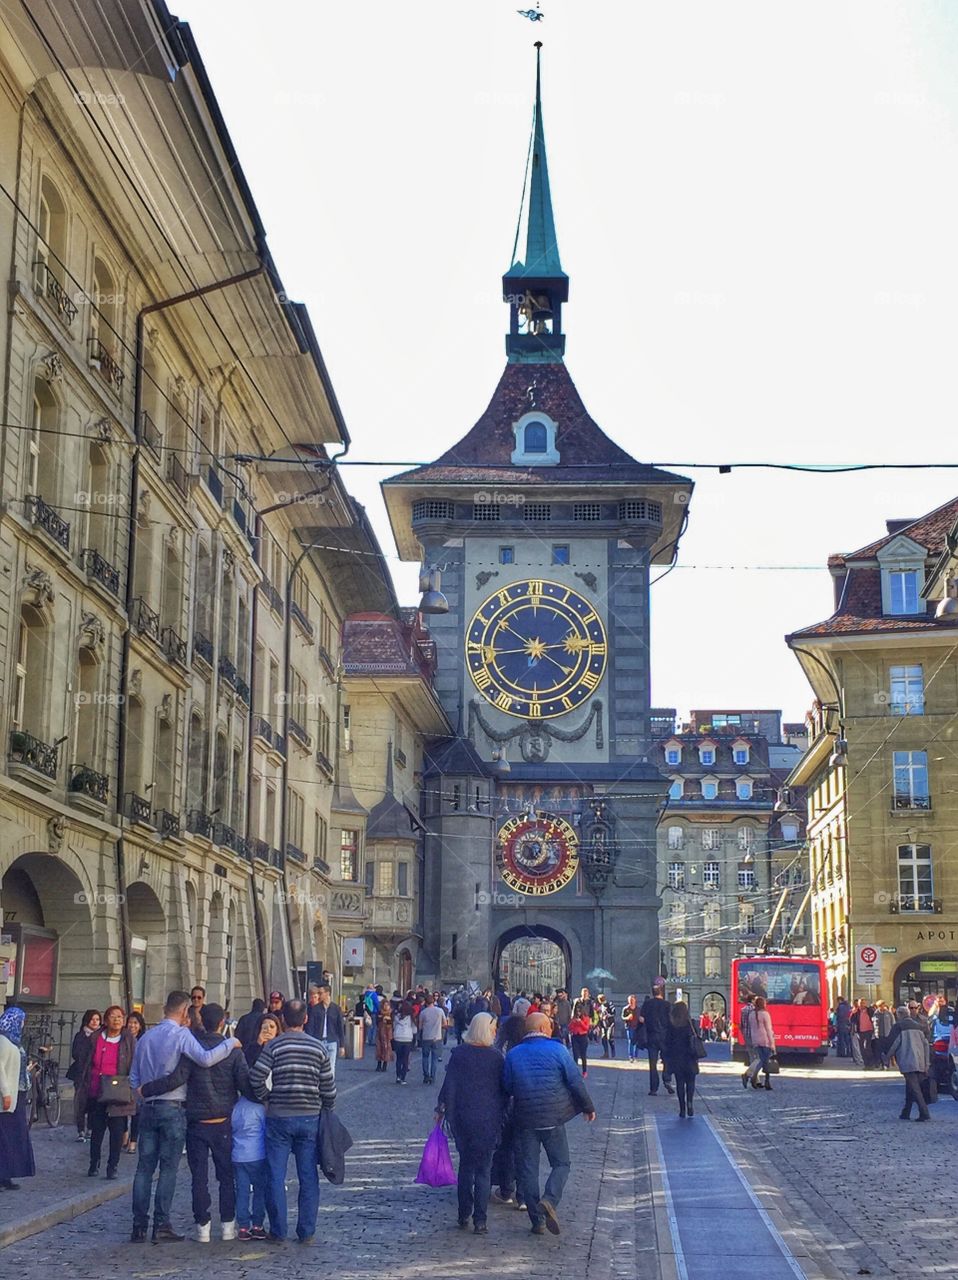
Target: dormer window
x=740, y=751
x=677, y=789
x=673, y=753
x=535, y=435
x=710, y=788
x=707, y=753
x=902, y=563
x=744, y=788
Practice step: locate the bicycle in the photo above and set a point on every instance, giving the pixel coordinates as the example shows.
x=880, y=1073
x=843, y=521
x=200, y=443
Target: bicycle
x=43, y=1073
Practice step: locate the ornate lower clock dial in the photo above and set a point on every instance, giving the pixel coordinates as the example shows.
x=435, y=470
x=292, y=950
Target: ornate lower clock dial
x=537, y=854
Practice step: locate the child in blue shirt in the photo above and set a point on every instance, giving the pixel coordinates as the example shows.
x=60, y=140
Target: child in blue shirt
x=250, y=1170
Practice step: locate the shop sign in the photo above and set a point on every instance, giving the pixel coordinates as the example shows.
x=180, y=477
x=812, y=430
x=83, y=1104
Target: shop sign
x=937, y=966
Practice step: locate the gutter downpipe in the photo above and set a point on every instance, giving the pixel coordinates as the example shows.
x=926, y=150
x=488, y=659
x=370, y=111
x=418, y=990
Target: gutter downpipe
x=121, y=737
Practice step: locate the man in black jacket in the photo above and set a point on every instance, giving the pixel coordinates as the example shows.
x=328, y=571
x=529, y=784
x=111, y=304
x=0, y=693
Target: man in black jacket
x=324, y=1023
x=654, y=1016
x=247, y=1028
x=211, y=1094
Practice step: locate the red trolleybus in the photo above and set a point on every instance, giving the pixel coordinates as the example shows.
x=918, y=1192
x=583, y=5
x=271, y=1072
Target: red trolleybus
x=795, y=988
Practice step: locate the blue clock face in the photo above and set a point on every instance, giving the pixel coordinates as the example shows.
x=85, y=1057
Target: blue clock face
x=536, y=649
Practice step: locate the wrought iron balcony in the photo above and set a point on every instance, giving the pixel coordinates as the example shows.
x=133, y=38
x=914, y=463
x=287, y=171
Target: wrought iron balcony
x=297, y=731
x=227, y=671
x=902, y=800
x=273, y=596
x=50, y=521
x=151, y=435
x=100, y=570
x=279, y=742
x=85, y=781
x=224, y=835
x=243, y=848
x=138, y=809
x=302, y=620
x=203, y=648
x=242, y=690
x=145, y=621
x=27, y=750
x=214, y=484
x=199, y=823
x=263, y=729
x=321, y=865
x=103, y=361
x=400, y=757
x=261, y=850
x=46, y=284
x=325, y=763
x=168, y=824
x=178, y=475
x=295, y=853
x=174, y=646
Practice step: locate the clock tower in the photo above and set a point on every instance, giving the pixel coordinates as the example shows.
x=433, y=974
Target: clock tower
x=541, y=810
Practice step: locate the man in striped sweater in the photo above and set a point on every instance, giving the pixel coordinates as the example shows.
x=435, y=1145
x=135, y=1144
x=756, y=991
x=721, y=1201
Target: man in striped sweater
x=302, y=1084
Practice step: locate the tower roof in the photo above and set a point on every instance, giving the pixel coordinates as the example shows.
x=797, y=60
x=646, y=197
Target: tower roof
x=540, y=257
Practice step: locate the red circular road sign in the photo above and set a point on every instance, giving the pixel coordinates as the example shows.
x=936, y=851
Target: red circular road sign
x=869, y=955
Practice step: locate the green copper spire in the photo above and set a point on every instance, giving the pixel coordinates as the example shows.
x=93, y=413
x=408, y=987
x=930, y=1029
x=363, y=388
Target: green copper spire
x=542, y=248
x=535, y=285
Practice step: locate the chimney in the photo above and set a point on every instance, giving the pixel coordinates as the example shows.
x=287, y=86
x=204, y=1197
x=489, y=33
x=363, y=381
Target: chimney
x=896, y=526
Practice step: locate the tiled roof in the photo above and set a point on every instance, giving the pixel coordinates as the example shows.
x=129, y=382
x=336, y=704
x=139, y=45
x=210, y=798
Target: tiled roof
x=587, y=455
x=376, y=644
x=452, y=755
x=860, y=612
x=928, y=531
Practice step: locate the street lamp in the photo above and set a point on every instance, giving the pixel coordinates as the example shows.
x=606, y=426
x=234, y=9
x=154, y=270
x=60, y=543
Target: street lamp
x=433, y=601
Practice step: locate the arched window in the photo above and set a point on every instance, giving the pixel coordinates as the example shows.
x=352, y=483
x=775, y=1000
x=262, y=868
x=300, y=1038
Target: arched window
x=679, y=962
x=676, y=837
x=172, y=604
x=712, y=918
x=101, y=514
x=43, y=474
x=535, y=437
x=713, y=962
x=88, y=710
x=104, y=308
x=221, y=779
x=136, y=753
x=51, y=236
x=163, y=764
x=196, y=765
x=30, y=684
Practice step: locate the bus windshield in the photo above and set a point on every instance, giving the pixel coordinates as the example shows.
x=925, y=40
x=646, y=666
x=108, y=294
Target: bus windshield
x=789, y=982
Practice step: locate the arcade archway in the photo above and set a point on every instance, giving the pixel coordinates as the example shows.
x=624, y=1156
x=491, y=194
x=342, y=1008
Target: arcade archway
x=532, y=958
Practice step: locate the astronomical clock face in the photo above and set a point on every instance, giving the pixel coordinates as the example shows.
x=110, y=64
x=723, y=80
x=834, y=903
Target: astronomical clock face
x=537, y=853
x=536, y=649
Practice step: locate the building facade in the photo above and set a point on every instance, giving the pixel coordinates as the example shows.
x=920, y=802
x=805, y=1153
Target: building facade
x=169, y=655
x=541, y=805
x=727, y=848
x=878, y=774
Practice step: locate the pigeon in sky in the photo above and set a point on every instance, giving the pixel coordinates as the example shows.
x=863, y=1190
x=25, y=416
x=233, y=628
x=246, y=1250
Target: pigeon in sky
x=532, y=14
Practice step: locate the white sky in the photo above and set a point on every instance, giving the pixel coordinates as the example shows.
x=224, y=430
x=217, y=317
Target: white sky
x=757, y=205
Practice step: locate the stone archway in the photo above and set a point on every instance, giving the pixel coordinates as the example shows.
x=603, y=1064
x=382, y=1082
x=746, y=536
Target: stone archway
x=715, y=1004
x=40, y=889
x=150, y=949
x=554, y=965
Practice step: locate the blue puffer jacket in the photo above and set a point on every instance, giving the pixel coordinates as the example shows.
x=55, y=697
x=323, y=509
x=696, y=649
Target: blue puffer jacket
x=545, y=1084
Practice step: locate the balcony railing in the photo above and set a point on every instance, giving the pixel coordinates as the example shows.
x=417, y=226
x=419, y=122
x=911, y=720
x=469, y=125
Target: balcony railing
x=302, y=620
x=263, y=729
x=261, y=850
x=320, y=864
x=178, y=475
x=151, y=435
x=168, y=824
x=224, y=835
x=145, y=621
x=138, y=809
x=901, y=800
x=227, y=671
x=324, y=763
x=243, y=848
x=203, y=648
x=27, y=750
x=292, y=851
x=199, y=823
x=279, y=742
x=400, y=757
x=50, y=521
x=912, y=903
x=242, y=690
x=294, y=728
x=174, y=646
x=101, y=360
x=50, y=287
x=85, y=781
x=214, y=484
x=273, y=596
x=100, y=570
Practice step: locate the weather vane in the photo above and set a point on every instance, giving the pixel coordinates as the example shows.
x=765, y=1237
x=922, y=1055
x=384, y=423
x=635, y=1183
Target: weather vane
x=534, y=15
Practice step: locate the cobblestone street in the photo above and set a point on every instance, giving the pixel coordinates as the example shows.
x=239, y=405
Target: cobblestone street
x=825, y=1152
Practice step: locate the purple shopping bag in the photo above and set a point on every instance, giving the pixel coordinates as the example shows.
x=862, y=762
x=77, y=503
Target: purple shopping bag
x=435, y=1167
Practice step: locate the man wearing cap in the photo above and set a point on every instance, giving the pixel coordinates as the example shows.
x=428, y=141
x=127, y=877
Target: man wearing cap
x=276, y=1002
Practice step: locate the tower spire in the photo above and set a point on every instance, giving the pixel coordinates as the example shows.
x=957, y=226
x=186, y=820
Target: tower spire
x=535, y=286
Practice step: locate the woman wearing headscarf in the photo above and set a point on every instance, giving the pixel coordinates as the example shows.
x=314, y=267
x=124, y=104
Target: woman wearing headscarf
x=16, y=1152
x=473, y=1101
x=80, y=1054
